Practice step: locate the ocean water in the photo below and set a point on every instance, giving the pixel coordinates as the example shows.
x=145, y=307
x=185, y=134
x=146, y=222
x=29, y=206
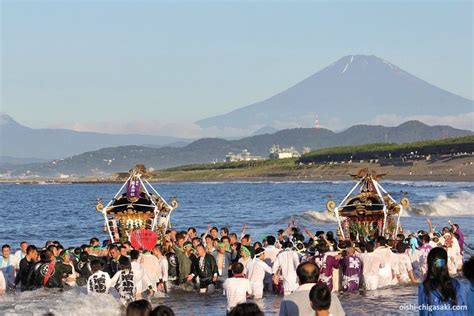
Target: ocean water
x=66, y=212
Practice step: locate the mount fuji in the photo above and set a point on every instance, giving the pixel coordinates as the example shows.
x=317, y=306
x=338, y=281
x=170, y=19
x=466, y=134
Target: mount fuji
x=355, y=89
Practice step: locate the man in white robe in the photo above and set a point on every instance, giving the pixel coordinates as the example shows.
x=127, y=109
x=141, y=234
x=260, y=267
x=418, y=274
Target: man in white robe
x=385, y=273
x=271, y=252
x=151, y=267
x=372, y=263
x=143, y=281
x=257, y=270
x=287, y=260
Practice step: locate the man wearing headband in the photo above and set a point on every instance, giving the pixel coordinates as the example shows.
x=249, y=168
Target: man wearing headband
x=246, y=240
x=184, y=262
x=245, y=257
x=287, y=261
x=223, y=260
x=256, y=272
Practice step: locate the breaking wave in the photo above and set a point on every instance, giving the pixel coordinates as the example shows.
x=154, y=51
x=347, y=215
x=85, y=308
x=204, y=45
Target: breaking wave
x=445, y=205
x=431, y=184
x=457, y=204
x=317, y=217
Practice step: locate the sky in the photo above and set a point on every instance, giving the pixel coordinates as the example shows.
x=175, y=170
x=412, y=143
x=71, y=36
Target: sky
x=156, y=67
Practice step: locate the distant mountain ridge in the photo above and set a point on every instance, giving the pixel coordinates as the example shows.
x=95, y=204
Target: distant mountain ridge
x=354, y=89
x=7, y=160
x=18, y=141
x=115, y=159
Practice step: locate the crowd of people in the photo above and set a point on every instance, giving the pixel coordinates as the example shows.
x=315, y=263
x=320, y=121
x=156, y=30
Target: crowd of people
x=308, y=270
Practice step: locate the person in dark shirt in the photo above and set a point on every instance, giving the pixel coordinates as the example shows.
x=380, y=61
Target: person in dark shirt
x=112, y=265
x=173, y=269
x=26, y=264
x=84, y=268
x=206, y=269
x=48, y=272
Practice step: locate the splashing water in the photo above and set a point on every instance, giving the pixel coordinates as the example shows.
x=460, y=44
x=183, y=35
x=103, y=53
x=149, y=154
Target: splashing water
x=459, y=203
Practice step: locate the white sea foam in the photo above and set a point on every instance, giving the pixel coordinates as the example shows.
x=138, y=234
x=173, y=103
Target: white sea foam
x=72, y=302
x=318, y=217
x=425, y=184
x=445, y=205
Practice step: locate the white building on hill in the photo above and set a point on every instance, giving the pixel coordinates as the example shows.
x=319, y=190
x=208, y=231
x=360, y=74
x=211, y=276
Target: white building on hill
x=277, y=152
x=245, y=155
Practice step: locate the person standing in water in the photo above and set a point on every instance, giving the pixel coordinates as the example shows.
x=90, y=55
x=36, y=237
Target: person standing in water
x=113, y=260
x=99, y=281
x=185, y=265
x=402, y=268
x=257, y=269
x=385, y=273
x=206, y=269
x=163, y=284
x=49, y=273
x=125, y=281
x=21, y=253
x=143, y=282
x=371, y=265
x=245, y=257
x=26, y=265
x=9, y=265
x=351, y=270
x=326, y=264
x=459, y=236
x=287, y=261
x=236, y=288
x=223, y=260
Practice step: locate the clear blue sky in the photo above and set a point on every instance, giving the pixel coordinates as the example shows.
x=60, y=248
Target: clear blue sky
x=71, y=63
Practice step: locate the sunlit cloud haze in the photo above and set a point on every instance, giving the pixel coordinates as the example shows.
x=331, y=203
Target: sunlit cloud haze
x=152, y=127
x=192, y=130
